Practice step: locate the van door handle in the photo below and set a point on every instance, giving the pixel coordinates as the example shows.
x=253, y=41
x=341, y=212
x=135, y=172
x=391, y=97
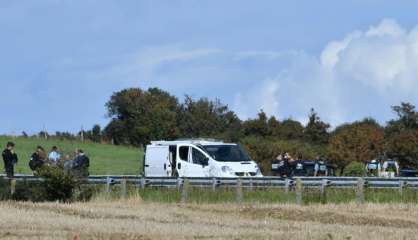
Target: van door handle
x=146, y=165
x=165, y=166
x=178, y=165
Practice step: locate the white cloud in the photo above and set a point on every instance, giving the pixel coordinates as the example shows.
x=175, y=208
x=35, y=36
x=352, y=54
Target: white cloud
x=359, y=76
x=264, y=97
x=387, y=27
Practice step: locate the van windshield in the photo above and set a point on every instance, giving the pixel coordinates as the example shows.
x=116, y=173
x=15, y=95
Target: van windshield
x=227, y=153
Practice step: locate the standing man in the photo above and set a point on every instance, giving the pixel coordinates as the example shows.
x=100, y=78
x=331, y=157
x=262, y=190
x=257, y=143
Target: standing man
x=10, y=159
x=321, y=169
x=81, y=164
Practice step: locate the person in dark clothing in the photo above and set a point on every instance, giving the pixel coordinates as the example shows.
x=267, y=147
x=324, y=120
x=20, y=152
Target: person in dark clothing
x=10, y=159
x=37, y=159
x=81, y=164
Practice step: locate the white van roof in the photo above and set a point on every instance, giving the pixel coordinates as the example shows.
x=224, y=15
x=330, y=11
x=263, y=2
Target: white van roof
x=191, y=141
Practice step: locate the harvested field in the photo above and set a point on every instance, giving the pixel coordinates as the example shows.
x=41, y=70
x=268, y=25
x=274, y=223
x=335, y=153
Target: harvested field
x=134, y=219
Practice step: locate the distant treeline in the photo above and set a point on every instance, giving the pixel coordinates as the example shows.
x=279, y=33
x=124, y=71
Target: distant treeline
x=139, y=116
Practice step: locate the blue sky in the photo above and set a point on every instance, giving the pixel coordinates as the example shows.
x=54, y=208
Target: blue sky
x=60, y=60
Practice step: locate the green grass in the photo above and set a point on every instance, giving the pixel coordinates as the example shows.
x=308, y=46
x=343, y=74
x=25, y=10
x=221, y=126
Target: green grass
x=104, y=158
x=309, y=196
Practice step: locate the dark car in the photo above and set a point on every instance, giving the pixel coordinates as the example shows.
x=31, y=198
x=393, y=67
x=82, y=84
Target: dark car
x=408, y=172
x=300, y=168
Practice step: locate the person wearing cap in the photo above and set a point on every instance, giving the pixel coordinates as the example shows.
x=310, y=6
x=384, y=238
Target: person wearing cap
x=10, y=159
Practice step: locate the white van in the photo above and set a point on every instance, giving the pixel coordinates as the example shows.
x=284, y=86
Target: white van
x=198, y=158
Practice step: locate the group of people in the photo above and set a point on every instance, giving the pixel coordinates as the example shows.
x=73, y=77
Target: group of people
x=77, y=166
x=383, y=168
x=287, y=166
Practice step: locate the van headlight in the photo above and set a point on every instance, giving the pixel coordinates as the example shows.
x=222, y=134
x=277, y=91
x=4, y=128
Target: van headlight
x=227, y=169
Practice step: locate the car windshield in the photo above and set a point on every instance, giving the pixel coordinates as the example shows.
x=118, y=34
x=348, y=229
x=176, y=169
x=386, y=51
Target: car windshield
x=227, y=153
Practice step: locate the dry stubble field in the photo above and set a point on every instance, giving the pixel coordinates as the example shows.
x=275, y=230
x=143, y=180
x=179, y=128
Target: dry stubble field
x=133, y=219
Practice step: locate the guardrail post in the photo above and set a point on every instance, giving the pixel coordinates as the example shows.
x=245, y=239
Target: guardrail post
x=239, y=191
x=184, y=189
x=214, y=184
x=123, y=192
x=108, y=185
x=286, y=185
x=401, y=187
x=360, y=190
x=251, y=184
x=324, y=185
x=12, y=186
x=298, y=190
x=179, y=183
x=143, y=182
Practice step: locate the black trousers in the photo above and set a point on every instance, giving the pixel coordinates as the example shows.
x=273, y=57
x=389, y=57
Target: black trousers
x=9, y=170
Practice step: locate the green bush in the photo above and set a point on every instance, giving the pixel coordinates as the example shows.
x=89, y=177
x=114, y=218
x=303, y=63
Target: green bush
x=58, y=185
x=355, y=169
x=29, y=191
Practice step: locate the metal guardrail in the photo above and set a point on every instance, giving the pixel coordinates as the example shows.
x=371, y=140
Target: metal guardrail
x=253, y=182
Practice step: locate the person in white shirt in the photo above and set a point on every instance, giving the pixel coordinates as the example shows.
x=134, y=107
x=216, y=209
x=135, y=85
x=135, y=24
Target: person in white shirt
x=54, y=156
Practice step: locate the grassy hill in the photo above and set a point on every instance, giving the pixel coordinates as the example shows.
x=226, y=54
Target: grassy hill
x=104, y=158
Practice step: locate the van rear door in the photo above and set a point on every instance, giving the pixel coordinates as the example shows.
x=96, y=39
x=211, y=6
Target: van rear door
x=156, y=159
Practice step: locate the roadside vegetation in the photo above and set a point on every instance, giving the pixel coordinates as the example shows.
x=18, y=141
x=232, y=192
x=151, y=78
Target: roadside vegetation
x=263, y=196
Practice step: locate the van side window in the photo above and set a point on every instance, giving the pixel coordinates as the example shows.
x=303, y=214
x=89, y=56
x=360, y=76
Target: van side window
x=198, y=157
x=184, y=153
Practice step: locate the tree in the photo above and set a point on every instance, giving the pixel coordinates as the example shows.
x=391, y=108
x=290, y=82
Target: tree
x=258, y=126
x=205, y=118
x=141, y=116
x=233, y=132
x=407, y=118
x=402, y=135
x=403, y=146
x=288, y=129
x=359, y=141
x=115, y=132
x=316, y=130
x=96, y=133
